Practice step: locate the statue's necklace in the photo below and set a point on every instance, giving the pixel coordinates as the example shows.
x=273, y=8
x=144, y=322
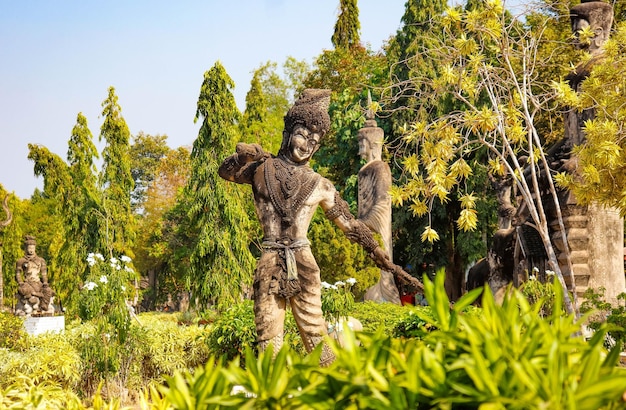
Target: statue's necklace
x=289, y=186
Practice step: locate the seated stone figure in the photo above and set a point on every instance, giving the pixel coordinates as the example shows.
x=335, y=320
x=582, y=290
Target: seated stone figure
x=34, y=293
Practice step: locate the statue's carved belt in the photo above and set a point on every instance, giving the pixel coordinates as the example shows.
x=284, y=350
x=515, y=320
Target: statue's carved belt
x=290, y=256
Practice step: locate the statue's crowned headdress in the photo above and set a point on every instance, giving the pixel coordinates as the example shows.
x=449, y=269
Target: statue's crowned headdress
x=29, y=240
x=311, y=111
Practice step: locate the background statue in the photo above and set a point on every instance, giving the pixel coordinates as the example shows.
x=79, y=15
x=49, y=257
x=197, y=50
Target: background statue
x=35, y=295
x=287, y=193
x=375, y=203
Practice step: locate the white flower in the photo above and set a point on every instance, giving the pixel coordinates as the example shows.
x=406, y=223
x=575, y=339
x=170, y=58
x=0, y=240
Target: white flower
x=104, y=279
x=125, y=259
x=340, y=283
x=535, y=269
x=333, y=287
x=127, y=269
x=99, y=256
x=532, y=277
x=351, y=281
x=114, y=261
x=326, y=285
x=91, y=261
x=90, y=285
x=123, y=288
x=550, y=273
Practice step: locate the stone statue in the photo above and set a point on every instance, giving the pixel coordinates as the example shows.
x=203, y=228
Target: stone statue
x=34, y=293
x=598, y=17
x=375, y=203
x=594, y=233
x=286, y=194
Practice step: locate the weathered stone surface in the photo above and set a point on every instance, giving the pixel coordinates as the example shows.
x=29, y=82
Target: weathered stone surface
x=375, y=204
x=34, y=293
x=287, y=193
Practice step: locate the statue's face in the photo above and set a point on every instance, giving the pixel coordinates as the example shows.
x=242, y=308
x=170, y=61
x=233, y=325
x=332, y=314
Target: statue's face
x=302, y=144
x=30, y=249
x=364, y=149
x=578, y=25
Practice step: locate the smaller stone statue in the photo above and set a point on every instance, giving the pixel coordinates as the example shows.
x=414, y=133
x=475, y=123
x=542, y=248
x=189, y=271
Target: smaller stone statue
x=34, y=293
x=375, y=202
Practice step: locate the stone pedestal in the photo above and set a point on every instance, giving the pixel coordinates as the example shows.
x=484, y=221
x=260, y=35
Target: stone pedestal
x=42, y=324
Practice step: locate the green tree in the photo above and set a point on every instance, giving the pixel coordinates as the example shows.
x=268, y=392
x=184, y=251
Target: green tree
x=157, y=246
x=79, y=210
x=146, y=153
x=220, y=261
x=116, y=179
x=255, y=117
x=348, y=26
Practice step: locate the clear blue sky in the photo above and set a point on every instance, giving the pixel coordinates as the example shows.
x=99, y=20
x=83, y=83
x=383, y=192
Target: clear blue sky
x=58, y=58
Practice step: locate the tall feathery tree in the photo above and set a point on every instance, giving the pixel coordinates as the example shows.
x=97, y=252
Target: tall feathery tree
x=72, y=186
x=253, y=124
x=270, y=96
x=347, y=28
x=82, y=223
x=221, y=261
x=116, y=178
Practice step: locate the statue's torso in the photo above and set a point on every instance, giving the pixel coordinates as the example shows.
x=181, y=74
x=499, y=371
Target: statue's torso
x=31, y=268
x=285, y=197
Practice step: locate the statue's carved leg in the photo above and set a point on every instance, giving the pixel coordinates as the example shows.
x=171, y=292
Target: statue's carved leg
x=276, y=342
x=327, y=356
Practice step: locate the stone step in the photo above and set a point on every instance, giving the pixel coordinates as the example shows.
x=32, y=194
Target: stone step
x=577, y=257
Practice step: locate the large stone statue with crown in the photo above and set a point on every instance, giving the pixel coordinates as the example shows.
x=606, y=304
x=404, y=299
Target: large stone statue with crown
x=286, y=194
x=34, y=292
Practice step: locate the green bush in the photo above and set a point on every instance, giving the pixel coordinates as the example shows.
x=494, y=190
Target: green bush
x=12, y=333
x=50, y=359
x=23, y=393
x=602, y=312
x=234, y=331
x=76, y=360
x=507, y=357
x=375, y=316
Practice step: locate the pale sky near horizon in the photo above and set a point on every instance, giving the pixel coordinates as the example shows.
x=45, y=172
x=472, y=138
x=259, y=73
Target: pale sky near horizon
x=58, y=58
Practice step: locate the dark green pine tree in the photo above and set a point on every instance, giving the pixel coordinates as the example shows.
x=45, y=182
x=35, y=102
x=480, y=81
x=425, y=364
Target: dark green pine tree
x=405, y=50
x=348, y=27
x=116, y=179
x=253, y=122
x=82, y=224
x=221, y=261
x=72, y=186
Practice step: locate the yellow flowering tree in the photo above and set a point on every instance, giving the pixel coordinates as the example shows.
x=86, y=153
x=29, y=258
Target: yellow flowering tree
x=488, y=65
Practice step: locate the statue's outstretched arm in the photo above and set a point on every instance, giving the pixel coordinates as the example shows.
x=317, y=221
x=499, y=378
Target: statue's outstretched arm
x=356, y=231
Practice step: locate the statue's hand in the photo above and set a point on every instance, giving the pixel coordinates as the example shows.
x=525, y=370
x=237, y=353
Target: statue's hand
x=249, y=153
